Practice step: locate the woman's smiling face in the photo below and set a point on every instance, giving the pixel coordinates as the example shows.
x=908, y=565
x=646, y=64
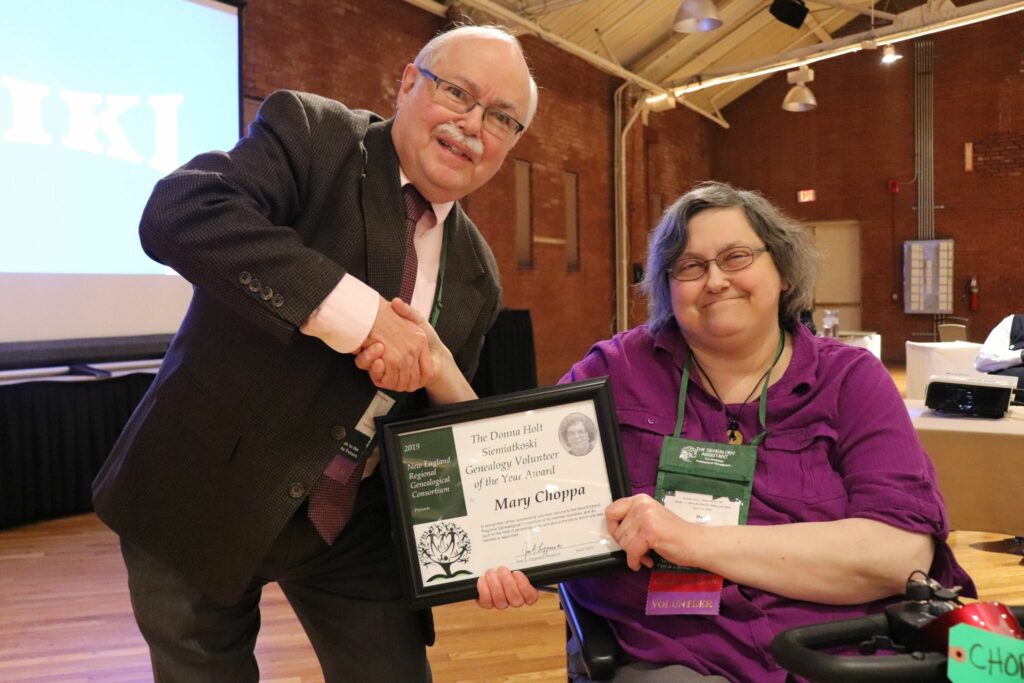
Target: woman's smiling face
x=721, y=305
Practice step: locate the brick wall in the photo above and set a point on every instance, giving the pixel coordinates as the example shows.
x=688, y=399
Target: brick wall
x=572, y=131
x=862, y=134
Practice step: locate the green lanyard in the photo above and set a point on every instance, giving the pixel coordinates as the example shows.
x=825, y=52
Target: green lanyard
x=762, y=406
x=435, y=312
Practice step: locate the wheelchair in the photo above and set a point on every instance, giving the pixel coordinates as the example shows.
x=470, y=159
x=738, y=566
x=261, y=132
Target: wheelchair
x=912, y=633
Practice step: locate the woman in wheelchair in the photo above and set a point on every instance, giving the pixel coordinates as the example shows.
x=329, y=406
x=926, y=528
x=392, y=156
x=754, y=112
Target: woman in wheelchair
x=781, y=465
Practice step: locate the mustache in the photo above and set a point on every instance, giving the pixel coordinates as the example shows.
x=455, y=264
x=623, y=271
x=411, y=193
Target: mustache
x=450, y=130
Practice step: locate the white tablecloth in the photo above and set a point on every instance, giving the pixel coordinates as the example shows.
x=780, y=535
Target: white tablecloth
x=925, y=359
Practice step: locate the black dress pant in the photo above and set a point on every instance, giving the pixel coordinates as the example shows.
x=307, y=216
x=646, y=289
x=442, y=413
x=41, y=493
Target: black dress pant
x=347, y=597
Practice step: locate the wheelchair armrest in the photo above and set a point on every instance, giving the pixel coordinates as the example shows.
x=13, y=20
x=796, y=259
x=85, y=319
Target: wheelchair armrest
x=597, y=642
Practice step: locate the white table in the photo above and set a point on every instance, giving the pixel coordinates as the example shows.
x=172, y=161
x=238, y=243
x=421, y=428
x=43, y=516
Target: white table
x=925, y=359
x=980, y=463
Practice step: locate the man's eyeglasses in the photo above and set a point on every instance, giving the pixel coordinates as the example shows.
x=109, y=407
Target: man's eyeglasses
x=730, y=260
x=456, y=99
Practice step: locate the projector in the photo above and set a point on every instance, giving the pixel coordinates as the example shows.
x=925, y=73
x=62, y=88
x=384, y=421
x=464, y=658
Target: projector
x=974, y=395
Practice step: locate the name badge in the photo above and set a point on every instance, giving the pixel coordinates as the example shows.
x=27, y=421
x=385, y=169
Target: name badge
x=359, y=439
x=704, y=483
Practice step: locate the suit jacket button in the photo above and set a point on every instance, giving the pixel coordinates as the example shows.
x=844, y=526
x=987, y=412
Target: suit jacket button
x=277, y=301
x=266, y=293
x=254, y=285
x=296, y=490
x=339, y=432
x=245, y=277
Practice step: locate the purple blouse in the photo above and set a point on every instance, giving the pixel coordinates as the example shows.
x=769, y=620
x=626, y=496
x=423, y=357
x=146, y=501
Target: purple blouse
x=840, y=444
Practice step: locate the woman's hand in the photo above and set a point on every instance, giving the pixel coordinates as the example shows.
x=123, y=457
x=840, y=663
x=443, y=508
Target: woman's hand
x=640, y=524
x=439, y=374
x=500, y=588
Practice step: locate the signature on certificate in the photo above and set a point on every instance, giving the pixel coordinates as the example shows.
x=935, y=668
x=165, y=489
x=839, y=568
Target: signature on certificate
x=532, y=551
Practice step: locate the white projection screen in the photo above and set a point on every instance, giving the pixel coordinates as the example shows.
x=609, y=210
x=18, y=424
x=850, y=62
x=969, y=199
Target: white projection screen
x=99, y=99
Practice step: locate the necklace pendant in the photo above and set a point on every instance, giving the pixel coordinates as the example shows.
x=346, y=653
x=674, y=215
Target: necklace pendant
x=734, y=436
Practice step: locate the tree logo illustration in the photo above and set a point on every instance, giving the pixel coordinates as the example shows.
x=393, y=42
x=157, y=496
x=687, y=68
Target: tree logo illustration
x=444, y=544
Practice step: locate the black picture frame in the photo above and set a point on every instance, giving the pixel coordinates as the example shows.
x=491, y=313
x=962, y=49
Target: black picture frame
x=434, y=428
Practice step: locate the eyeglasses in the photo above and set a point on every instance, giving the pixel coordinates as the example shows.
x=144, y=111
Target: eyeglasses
x=729, y=261
x=456, y=99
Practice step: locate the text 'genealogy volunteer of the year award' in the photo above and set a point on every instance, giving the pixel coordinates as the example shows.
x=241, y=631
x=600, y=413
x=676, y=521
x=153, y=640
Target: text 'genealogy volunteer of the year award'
x=520, y=480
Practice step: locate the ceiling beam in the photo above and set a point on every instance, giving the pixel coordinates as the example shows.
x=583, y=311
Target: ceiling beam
x=665, y=57
x=816, y=28
x=913, y=23
x=507, y=15
x=435, y=8
x=867, y=11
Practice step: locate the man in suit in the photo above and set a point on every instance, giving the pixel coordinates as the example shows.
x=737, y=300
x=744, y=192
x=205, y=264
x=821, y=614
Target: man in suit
x=260, y=417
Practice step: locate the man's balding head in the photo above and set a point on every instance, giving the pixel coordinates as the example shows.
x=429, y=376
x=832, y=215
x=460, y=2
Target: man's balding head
x=448, y=154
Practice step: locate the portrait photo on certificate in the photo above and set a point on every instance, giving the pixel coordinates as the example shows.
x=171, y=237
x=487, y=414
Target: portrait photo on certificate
x=520, y=480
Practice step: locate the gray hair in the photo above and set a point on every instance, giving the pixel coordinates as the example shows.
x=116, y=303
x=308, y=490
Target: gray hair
x=427, y=56
x=791, y=246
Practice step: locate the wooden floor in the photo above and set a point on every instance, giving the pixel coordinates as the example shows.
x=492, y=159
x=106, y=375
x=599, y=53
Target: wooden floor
x=65, y=615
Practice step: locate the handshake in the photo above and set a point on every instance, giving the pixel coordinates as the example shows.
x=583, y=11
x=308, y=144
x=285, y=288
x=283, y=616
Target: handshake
x=402, y=352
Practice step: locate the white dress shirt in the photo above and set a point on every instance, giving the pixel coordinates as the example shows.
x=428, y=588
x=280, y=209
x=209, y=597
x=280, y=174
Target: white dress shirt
x=347, y=314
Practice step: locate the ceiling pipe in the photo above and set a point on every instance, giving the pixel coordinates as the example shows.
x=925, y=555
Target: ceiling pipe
x=542, y=6
x=605, y=65
x=736, y=84
x=910, y=24
x=622, y=207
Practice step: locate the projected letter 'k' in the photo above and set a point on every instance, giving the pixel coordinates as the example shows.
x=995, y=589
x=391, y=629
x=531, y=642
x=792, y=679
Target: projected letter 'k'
x=84, y=122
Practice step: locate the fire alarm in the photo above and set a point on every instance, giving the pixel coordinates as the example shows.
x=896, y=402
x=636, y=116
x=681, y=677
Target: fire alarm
x=894, y=186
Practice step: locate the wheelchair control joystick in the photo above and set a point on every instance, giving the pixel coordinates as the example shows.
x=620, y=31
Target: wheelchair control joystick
x=909, y=621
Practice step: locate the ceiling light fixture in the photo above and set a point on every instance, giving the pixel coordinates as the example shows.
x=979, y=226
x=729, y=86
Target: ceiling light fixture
x=800, y=97
x=696, y=16
x=889, y=54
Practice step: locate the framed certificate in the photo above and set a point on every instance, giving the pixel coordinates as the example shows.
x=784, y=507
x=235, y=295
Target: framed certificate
x=520, y=480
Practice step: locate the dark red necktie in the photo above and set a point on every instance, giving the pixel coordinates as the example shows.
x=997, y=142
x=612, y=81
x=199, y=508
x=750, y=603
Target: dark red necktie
x=333, y=495
x=415, y=206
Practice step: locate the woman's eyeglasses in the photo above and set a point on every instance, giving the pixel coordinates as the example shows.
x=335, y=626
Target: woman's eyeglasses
x=729, y=261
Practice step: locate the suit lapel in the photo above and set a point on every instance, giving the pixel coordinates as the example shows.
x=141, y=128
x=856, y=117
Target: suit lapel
x=384, y=212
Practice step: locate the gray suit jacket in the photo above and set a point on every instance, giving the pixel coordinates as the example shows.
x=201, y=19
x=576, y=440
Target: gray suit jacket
x=246, y=411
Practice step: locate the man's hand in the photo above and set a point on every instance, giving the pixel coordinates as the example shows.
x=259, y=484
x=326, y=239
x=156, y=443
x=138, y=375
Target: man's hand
x=500, y=588
x=396, y=352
